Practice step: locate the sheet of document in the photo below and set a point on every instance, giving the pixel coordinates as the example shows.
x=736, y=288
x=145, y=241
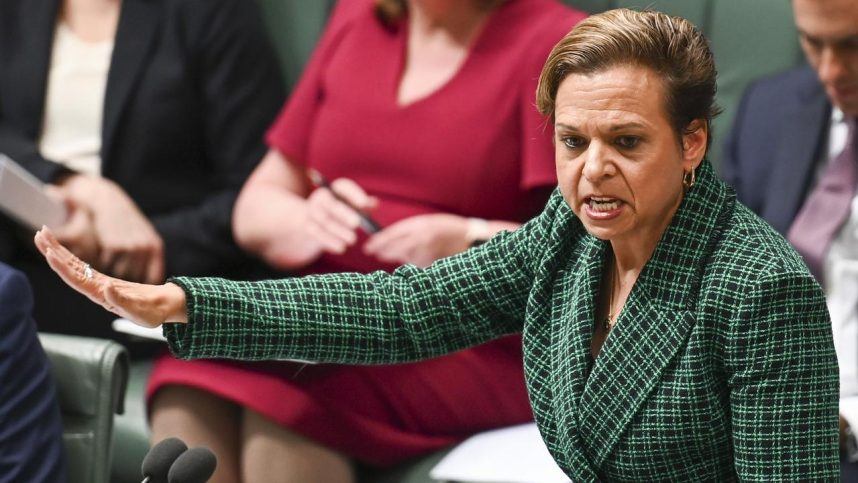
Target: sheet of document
x=125, y=326
x=508, y=455
x=22, y=197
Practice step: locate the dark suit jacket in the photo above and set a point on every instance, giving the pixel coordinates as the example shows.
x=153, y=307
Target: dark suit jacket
x=778, y=137
x=192, y=86
x=721, y=365
x=31, y=447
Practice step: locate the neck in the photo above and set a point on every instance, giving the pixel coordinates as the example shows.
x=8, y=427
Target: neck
x=633, y=252
x=460, y=20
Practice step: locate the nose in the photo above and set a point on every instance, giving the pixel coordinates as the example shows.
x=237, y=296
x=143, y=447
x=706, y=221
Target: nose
x=597, y=162
x=831, y=65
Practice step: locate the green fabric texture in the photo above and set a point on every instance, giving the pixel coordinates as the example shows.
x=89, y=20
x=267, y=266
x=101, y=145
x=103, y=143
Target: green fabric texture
x=721, y=365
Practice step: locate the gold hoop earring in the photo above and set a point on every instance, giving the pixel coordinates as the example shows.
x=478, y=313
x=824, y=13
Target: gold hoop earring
x=688, y=179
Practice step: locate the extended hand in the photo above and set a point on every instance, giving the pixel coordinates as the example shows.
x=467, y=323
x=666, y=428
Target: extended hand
x=146, y=305
x=420, y=240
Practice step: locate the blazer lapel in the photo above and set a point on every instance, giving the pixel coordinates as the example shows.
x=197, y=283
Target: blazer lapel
x=38, y=20
x=657, y=319
x=796, y=158
x=135, y=37
x=574, y=301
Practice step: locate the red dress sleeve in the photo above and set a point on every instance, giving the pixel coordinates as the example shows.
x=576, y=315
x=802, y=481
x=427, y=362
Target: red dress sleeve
x=537, y=163
x=290, y=132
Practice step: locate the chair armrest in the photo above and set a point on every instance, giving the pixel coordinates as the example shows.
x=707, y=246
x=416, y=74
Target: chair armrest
x=90, y=376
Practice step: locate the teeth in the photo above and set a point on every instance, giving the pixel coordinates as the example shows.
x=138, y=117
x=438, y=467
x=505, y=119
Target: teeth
x=603, y=205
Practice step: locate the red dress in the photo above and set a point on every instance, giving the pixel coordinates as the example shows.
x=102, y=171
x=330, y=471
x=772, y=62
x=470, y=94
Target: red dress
x=474, y=147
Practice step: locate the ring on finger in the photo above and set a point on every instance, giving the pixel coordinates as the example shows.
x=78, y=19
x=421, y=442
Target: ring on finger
x=87, y=271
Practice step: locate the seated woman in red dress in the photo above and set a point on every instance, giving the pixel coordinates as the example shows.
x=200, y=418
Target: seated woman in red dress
x=421, y=114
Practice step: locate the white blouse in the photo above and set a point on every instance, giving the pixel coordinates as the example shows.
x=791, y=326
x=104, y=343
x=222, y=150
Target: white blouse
x=841, y=286
x=74, y=104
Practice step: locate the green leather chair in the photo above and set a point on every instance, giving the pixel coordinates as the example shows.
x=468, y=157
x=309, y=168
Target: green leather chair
x=749, y=38
x=90, y=375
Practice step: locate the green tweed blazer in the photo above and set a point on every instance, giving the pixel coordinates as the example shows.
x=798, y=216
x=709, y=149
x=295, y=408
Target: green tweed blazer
x=721, y=366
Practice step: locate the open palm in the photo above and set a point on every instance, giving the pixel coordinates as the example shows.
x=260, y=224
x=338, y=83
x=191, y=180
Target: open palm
x=146, y=305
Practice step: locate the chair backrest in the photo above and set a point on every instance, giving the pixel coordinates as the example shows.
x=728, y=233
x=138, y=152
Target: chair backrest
x=90, y=376
x=294, y=26
x=749, y=38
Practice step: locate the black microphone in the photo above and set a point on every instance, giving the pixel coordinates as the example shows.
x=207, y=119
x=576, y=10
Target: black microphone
x=159, y=459
x=195, y=465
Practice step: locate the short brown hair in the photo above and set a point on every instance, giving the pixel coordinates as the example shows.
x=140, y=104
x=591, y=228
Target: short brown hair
x=671, y=46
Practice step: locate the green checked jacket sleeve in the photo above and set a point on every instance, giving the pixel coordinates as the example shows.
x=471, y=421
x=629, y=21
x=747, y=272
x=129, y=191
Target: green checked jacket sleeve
x=408, y=315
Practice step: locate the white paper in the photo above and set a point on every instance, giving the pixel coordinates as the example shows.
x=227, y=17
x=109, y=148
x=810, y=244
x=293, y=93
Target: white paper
x=125, y=326
x=515, y=454
x=22, y=197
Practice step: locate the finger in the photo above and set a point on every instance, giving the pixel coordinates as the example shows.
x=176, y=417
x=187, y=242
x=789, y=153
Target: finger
x=337, y=211
x=328, y=242
x=155, y=267
x=354, y=194
x=123, y=266
x=325, y=221
x=108, y=257
x=384, y=238
x=73, y=273
x=40, y=241
x=397, y=250
x=331, y=229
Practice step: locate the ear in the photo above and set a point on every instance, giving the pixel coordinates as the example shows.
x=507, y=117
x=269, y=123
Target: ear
x=694, y=141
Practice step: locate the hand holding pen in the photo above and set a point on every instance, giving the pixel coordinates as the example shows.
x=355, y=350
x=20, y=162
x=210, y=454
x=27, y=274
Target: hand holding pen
x=337, y=210
x=366, y=222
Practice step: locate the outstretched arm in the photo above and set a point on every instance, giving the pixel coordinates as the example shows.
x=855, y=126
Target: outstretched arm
x=350, y=318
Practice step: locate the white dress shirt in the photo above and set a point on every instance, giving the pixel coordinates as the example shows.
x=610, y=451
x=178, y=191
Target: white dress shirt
x=841, y=288
x=74, y=104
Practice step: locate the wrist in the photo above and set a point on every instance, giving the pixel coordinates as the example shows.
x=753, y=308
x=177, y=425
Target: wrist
x=175, y=303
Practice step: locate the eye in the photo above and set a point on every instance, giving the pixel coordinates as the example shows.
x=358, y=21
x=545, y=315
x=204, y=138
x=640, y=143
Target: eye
x=812, y=43
x=574, y=142
x=627, y=142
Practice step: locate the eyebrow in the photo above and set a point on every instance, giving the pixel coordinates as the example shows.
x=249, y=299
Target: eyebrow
x=832, y=40
x=614, y=128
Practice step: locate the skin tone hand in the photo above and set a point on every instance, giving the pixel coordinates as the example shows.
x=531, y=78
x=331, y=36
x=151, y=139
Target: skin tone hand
x=78, y=232
x=145, y=305
x=332, y=223
x=130, y=248
x=422, y=239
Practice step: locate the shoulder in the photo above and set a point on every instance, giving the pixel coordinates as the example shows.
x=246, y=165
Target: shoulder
x=753, y=258
x=755, y=245
x=13, y=286
x=782, y=90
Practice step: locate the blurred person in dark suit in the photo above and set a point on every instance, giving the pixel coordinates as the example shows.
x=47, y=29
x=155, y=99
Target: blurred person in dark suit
x=792, y=158
x=31, y=447
x=146, y=116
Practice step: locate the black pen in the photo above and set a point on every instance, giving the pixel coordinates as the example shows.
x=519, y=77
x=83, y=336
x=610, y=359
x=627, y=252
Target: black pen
x=366, y=222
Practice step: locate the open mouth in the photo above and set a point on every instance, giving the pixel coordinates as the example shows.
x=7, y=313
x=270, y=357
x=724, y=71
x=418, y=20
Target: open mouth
x=602, y=208
x=601, y=204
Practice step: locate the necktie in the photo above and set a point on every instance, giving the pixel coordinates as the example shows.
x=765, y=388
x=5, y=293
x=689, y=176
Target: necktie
x=827, y=207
